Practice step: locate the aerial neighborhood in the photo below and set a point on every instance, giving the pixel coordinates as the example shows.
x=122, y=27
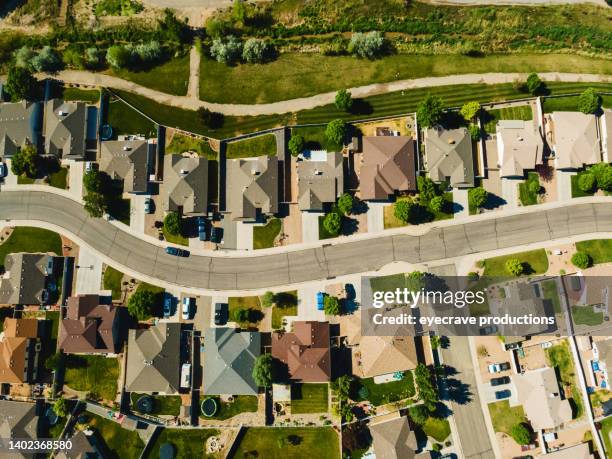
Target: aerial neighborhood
x=198, y=205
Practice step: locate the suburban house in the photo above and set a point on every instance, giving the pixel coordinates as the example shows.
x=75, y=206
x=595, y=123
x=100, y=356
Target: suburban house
x=521, y=299
x=85, y=445
x=28, y=279
x=393, y=439
x=579, y=451
x=388, y=166
x=90, y=327
x=305, y=351
x=539, y=393
x=19, y=420
x=520, y=147
x=575, y=140
x=128, y=161
x=381, y=355
x=185, y=188
x=252, y=188
x=65, y=129
x=19, y=350
x=154, y=359
x=229, y=358
x=449, y=157
x=20, y=124
x=320, y=181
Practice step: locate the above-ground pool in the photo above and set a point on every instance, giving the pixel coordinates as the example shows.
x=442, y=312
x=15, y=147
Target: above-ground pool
x=209, y=407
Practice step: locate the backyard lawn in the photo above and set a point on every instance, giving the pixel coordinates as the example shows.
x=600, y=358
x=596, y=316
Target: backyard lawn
x=171, y=77
x=29, y=239
x=227, y=410
x=125, y=120
x=181, y=143
x=94, y=374
x=251, y=303
x=91, y=96
x=527, y=196
x=278, y=312
x=586, y=315
x=490, y=118
x=162, y=404
x=251, y=147
x=560, y=104
x=289, y=443
x=121, y=443
x=314, y=138
x=437, y=428
x=576, y=191
x=188, y=443
x=560, y=357
x=505, y=417
x=112, y=281
x=600, y=250
x=309, y=398
x=549, y=290
x=264, y=236
x=381, y=394
x=534, y=262
x=606, y=431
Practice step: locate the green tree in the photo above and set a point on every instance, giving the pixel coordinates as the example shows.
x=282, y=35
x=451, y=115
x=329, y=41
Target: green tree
x=239, y=11
x=437, y=204
x=332, y=223
x=331, y=305
x=342, y=387
x=534, y=84
x=92, y=181
x=46, y=60
x=25, y=161
x=582, y=260
x=403, y=210
x=344, y=100
x=427, y=392
x=430, y=110
x=474, y=131
x=140, y=305
x=586, y=182
x=241, y=315
x=477, y=197
x=118, y=56
x=435, y=341
x=267, y=299
x=369, y=45
x=256, y=51
x=470, y=110
x=20, y=83
x=52, y=363
x=419, y=414
x=173, y=224
x=534, y=186
x=212, y=120
x=514, y=266
x=589, y=101
x=226, y=50
x=427, y=189
x=95, y=204
x=520, y=434
x=345, y=203
x=603, y=175
x=335, y=132
x=60, y=407
x=296, y=144
x=262, y=370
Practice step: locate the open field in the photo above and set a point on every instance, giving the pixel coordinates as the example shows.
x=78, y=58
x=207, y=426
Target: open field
x=170, y=77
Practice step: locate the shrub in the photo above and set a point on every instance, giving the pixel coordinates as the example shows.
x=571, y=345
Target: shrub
x=429, y=111
x=474, y=131
x=24, y=56
x=46, y=60
x=256, y=51
x=470, y=110
x=262, y=370
x=418, y=414
x=226, y=51
x=477, y=197
x=363, y=393
x=25, y=161
x=534, y=186
x=20, y=83
x=148, y=52
x=437, y=204
x=73, y=58
x=267, y=299
x=296, y=144
x=93, y=57
x=60, y=407
x=589, y=101
x=336, y=131
x=173, y=224
x=603, y=175
x=369, y=45
x=118, y=56
x=582, y=260
x=92, y=181
x=586, y=182
x=332, y=223
x=427, y=189
x=427, y=391
x=514, y=266
x=212, y=120
x=241, y=315
x=402, y=210
x=216, y=28
x=331, y=305
x=140, y=304
x=534, y=84
x=95, y=205
x=345, y=203
x=520, y=434
x=343, y=100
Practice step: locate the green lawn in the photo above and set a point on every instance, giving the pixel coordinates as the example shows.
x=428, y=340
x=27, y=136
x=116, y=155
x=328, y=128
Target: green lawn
x=181, y=143
x=526, y=195
x=381, y=394
x=29, y=239
x=585, y=315
x=309, y=398
x=162, y=404
x=58, y=179
x=437, y=428
x=549, y=290
x=264, y=236
x=560, y=104
x=25, y=180
x=125, y=120
x=94, y=374
x=188, y=443
x=251, y=147
x=112, y=281
x=491, y=117
x=181, y=240
x=121, y=443
x=314, y=138
x=391, y=221
x=54, y=317
x=600, y=250
x=245, y=302
x=279, y=312
x=241, y=404
x=289, y=443
x=535, y=262
x=606, y=430
x=576, y=191
x=560, y=356
x=171, y=77
x=91, y=96
x=505, y=417
x=295, y=75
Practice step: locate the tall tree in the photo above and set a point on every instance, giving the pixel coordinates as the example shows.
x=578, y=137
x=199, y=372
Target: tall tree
x=430, y=111
x=262, y=370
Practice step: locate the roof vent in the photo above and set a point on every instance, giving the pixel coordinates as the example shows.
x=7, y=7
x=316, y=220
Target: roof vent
x=255, y=172
x=126, y=148
x=184, y=171
x=62, y=113
x=451, y=141
x=318, y=172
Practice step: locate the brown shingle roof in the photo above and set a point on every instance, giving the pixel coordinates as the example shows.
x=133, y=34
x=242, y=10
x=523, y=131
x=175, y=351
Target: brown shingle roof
x=13, y=348
x=305, y=351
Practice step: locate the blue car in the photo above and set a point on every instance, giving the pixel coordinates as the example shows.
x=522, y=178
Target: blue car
x=502, y=394
x=167, y=305
x=202, y=229
x=177, y=252
x=320, y=301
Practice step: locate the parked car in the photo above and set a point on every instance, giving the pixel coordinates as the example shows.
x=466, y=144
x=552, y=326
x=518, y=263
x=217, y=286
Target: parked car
x=502, y=394
x=90, y=166
x=500, y=381
x=177, y=252
x=3, y=170
x=320, y=301
x=202, y=229
x=186, y=311
x=148, y=206
x=221, y=313
x=497, y=367
x=216, y=235
x=490, y=330
x=546, y=345
x=167, y=305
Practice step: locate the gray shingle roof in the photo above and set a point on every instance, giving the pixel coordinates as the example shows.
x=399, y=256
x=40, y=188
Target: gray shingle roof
x=19, y=123
x=576, y=141
x=229, y=357
x=393, y=439
x=320, y=182
x=252, y=184
x=25, y=278
x=18, y=420
x=449, y=155
x=185, y=184
x=65, y=129
x=127, y=160
x=154, y=359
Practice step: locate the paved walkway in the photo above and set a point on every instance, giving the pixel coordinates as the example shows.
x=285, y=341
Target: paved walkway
x=192, y=102
x=193, y=90
x=460, y=196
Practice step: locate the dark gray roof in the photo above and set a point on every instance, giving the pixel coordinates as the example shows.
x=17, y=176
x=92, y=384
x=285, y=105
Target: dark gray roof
x=127, y=160
x=154, y=359
x=185, y=184
x=18, y=420
x=65, y=129
x=229, y=357
x=449, y=155
x=19, y=124
x=252, y=184
x=25, y=278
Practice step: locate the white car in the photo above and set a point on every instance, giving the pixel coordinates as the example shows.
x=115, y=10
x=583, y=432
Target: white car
x=186, y=310
x=497, y=367
x=546, y=345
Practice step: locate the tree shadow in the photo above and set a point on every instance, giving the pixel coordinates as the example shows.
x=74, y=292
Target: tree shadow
x=493, y=201
x=361, y=107
x=359, y=207
x=349, y=226
x=453, y=389
x=453, y=120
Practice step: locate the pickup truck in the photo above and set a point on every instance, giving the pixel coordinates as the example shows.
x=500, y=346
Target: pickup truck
x=497, y=367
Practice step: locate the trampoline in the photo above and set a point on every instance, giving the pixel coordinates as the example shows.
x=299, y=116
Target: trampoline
x=166, y=451
x=145, y=404
x=209, y=407
x=106, y=132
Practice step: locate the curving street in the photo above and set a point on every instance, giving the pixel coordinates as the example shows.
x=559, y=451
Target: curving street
x=282, y=267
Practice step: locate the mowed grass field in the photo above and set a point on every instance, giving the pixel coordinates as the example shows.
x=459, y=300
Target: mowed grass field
x=295, y=75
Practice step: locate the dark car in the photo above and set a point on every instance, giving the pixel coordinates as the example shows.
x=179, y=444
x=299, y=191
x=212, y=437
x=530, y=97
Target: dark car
x=167, y=305
x=502, y=394
x=500, y=381
x=216, y=235
x=221, y=313
x=177, y=252
x=202, y=229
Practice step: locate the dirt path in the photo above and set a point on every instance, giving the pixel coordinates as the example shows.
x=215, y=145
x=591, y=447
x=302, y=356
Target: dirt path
x=192, y=102
x=193, y=90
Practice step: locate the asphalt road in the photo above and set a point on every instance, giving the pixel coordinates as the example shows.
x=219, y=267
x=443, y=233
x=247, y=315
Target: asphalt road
x=295, y=266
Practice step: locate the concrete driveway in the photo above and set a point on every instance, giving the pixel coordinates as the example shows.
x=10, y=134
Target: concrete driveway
x=244, y=236
x=564, y=185
x=307, y=304
x=375, y=216
x=75, y=178
x=137, y=212
x=88, y=272
x=310, y=226
x=460, y=196
x=509, y=188
x=10, y=178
